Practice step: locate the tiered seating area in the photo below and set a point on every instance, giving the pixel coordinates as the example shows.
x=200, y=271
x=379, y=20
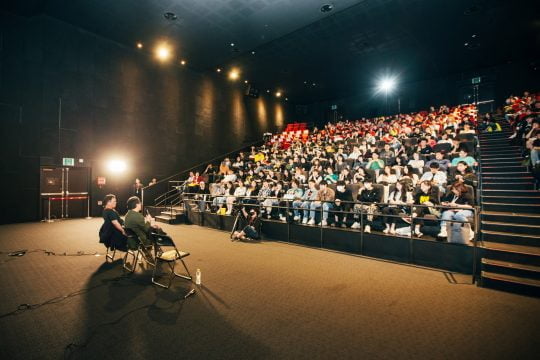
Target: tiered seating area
x=387, y=174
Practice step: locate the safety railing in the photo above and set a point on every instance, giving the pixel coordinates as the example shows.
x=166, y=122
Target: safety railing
x=362, y=213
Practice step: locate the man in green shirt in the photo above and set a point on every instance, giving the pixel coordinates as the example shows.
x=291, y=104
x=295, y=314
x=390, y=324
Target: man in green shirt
x=140, y=225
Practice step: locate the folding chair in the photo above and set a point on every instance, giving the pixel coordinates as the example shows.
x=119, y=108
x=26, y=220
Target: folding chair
x=133, y=253
x=169, y=257
x=109, y=256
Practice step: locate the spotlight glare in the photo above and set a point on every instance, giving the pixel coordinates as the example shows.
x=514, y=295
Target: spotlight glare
x=183, y=62
x=232, y=44
x=234, y=74
x=139, y=45
x=163, y=52
x=278, y=94
x=218, y=69
x=117, y=166
x=387, y=85
x=245, y=81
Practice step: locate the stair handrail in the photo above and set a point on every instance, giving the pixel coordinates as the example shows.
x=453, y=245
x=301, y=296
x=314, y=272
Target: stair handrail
x=197, y=166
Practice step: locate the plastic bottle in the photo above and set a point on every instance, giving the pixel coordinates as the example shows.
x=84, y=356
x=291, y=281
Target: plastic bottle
x=198, y=277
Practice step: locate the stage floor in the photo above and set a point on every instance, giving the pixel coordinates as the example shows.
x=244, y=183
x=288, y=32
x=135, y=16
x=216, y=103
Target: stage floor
x=258, y=300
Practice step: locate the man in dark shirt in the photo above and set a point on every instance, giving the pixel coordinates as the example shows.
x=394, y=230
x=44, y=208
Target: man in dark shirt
x=368, y=196
x=342, y=204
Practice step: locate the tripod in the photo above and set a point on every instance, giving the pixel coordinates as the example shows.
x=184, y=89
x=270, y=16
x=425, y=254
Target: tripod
x=236, y=221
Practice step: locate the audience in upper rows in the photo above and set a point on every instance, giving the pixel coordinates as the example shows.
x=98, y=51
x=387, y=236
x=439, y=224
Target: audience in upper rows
x=388, y=164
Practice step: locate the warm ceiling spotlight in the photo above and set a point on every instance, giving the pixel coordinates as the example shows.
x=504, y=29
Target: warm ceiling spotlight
x=183, y=62
x=234, y=74
x=218, y=69
x=139, y=45
x=163, y=52
x=278, y=94
x=245, y=81
x=327, y=8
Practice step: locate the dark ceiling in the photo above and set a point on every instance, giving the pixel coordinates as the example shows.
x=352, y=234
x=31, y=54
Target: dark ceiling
x=296, y=45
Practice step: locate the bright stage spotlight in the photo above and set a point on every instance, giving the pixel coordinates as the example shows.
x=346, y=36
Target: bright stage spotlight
x=163, y=52
x=234, y=74
x=116, y=166
x=387, y=85
x=278, y=94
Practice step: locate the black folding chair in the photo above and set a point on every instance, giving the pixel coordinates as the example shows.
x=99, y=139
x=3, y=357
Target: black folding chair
x=133, y=253
x=169, y=257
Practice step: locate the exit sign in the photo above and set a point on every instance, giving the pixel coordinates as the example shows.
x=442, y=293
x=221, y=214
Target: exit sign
x=68, y=161
x=476, y=80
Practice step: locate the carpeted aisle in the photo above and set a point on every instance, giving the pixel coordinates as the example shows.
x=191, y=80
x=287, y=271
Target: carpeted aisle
x=258, y=300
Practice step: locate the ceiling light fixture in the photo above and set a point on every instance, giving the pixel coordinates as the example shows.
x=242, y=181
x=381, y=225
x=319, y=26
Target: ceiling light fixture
x=327, y=8
x=278, y=94
x=218, y=69
x=183, y=62
x=170, y=16
x=139, y=45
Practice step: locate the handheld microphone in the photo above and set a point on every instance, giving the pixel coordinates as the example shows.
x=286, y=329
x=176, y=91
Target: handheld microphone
x=191, y=292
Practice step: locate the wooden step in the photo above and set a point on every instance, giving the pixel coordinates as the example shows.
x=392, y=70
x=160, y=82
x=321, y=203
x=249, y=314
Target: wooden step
x=519, y=249
x=510, y=192
x=511, y=283
x=517, y=179
x=511, y=207
x=510, y=217
x=527, y=239
x=533, y=200
x=511, y=268
x=488, y=185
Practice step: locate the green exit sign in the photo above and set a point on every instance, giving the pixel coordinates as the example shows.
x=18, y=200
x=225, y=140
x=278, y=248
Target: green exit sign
x=476, y=80
x=68, y=161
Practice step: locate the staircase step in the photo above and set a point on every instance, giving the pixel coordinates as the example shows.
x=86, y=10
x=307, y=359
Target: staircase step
x=510, y=283
x=496, y=160
x=510, y=217
x=511, y=268
x=507, y=185
x=509, y=237
x=515, y=199
x=501, y=168
x=517, y=179
x=529, y=255
x=508, y=226
x=508, y=192
x=511, y=207
x=511, y=173
x=171, y=214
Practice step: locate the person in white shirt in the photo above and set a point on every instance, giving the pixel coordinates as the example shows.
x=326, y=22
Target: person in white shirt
x=239, y=191
x=416, y=162
x=436, y=176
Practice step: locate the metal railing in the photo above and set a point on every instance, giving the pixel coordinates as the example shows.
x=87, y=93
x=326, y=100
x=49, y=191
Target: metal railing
x=358, y=212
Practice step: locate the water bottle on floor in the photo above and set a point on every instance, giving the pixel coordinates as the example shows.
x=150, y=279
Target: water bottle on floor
x=198, y=277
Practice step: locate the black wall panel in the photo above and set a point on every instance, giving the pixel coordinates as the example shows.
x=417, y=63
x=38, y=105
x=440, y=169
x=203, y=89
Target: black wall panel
x=113, y=100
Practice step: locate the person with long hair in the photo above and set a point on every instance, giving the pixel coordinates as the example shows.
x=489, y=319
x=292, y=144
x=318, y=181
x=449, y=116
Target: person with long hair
x=397, y=204
x=461, y=202
x=250, y=224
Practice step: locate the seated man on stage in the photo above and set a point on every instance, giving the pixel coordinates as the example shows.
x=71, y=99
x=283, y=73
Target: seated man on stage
x=140, y=225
